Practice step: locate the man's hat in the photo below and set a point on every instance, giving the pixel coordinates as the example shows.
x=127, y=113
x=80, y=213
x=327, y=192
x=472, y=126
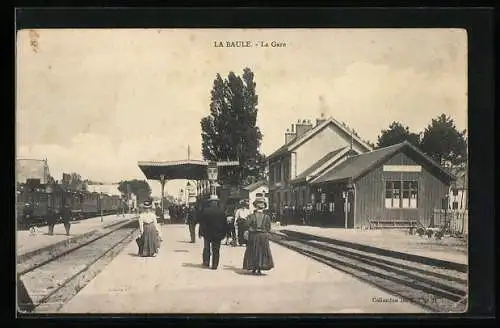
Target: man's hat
x=147, y=204
x=260, y=203
x=213, y=197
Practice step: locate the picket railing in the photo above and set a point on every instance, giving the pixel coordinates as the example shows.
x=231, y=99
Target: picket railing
x=459, y=220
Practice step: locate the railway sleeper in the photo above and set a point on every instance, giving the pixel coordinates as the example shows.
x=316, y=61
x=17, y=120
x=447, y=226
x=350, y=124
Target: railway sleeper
x=48, y=286
x=382, y=279
x=398, y=275
x=423, y=271
x=379, y=251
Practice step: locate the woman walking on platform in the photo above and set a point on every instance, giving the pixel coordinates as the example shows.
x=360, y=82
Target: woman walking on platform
x=258, y=252
x=149, y=241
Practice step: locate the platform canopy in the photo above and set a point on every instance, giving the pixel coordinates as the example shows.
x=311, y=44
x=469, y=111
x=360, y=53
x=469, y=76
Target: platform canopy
x=187, y=169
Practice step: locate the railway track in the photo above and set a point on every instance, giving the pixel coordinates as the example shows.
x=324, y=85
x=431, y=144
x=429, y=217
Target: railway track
x=436, y=287
x=48, y=285
x=39, y=222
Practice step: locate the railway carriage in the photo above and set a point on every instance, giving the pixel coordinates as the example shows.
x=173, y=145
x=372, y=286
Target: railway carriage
x=32, y=204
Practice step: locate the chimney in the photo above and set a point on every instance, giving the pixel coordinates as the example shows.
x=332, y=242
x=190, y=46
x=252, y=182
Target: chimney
x=321, y=119
x=289, y=135
x=302, y=127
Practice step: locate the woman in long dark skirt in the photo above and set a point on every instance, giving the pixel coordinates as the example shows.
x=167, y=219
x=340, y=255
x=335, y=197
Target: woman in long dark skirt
x=258, y=255
x=149, y=241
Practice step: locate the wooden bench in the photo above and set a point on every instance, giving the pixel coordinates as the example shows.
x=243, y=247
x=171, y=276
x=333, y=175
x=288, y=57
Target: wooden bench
x=393, y=224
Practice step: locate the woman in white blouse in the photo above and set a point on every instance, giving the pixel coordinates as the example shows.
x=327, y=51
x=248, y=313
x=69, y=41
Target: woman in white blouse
x=149, y=241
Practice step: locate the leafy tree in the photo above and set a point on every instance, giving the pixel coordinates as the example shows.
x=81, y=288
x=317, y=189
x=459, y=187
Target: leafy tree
x=51, y=180
x=443, y=142
x=371, y=144
x=138, y=187
x=230, y=131
x=397, y=133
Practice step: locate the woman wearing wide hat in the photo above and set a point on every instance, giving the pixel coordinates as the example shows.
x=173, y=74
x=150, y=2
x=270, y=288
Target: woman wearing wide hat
x=258, y=255
x=149, y=241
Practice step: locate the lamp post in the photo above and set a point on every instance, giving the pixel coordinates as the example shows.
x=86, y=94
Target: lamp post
x=122, y=204
x=100, y=204
x=212, y=174
x=51, y=213
x=162, y=183
x=190, y=187
x=48, y=190
x=349, y=189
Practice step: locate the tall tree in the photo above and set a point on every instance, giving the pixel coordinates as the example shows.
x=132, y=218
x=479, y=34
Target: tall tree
x=138, y=187
x=397, y=133
x=443, y=142
x=230, y=131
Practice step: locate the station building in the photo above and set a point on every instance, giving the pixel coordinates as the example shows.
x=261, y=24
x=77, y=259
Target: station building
x=390, y=186
x=308, y=151
x=338, y=178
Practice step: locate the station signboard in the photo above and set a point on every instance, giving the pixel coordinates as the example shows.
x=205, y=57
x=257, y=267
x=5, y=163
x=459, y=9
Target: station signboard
x=212, y=171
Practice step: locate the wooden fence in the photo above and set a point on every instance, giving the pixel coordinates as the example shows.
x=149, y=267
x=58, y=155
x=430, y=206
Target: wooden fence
x=459, y=220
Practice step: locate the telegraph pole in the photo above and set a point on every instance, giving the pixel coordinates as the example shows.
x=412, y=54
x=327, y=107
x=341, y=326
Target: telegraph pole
x=100, y=203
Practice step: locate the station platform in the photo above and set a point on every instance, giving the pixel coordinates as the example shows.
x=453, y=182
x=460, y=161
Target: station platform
x=175, y=283
x=27, y=242
x=447, y=249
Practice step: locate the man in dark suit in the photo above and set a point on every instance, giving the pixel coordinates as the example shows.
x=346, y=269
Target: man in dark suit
x=213, y=230
x=51, y=219
x=192, y=221
x=66, y=217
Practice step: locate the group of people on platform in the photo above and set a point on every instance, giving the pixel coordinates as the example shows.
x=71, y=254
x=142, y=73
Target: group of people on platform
x=53, y=218
x=237, y=225
x=250, y=229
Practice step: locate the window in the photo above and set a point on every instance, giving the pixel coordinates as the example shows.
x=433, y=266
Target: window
x=455, y=191
x=259, y=194
x=455, y=205
x=332, y=207
x=401, y=194
x=267, y=194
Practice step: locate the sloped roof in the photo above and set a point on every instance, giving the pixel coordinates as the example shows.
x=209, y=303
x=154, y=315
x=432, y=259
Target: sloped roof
x=255, y=185
x=298, y=140
x=462, y=176
x=318, y=164
x=356, y=166
x=186, y=169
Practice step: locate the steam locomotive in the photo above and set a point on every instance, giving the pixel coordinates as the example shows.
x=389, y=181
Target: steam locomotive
x=34, y=203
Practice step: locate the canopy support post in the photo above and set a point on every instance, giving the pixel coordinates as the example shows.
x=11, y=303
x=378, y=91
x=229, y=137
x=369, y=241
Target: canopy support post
x=162, y=182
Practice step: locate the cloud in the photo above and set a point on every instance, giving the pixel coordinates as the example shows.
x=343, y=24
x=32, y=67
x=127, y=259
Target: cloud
x=98, y=101
x=387, y=94
x=94, y=156
x=368, y=97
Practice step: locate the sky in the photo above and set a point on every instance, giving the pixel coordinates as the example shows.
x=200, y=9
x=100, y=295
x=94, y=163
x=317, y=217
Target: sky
x=98, y=101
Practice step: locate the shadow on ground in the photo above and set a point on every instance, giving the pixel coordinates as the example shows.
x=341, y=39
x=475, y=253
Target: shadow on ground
x=194, y=265
x=56, y=234
x=240, y=271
